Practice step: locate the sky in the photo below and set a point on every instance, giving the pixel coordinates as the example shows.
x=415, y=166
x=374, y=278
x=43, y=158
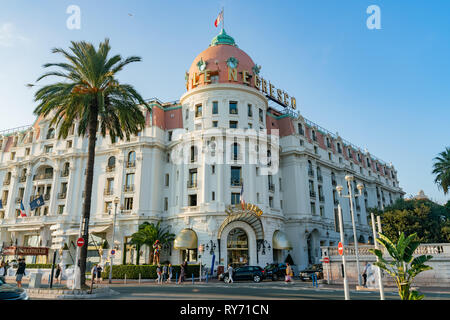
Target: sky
x=387, y=89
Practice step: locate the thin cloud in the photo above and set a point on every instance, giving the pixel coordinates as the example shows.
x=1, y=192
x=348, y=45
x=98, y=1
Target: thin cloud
x=9, y=37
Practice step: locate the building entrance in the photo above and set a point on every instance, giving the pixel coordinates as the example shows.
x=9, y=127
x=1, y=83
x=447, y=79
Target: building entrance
x=237, y=247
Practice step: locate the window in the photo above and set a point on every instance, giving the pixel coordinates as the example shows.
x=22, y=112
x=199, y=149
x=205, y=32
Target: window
x=316, y=150
x=313, y=208
x=213, y=196
x=257, y=197
x=128, y=204
x=166, y=181
x=271, y=202
x=233, y=124
x=328, y=143
x=235, y=152
x=215, y=107
x=108, y=207
x=311, y=188
x=302, y=142
x=349, y=152
x=60, y=209
x=166, y=204
x=198, y=110
x=339, y=147
x=314, y=137
x=300, y=129
x=336, y=220
x=192, y=183
x=131, y=159
x=170, y=135
x=250, y=125
x=233, y=107
x=368, y=162
x=69, y=144
x=213, y=169
x=193, y=154
x=27, y=151
x=322, y=211
x=13, y=155
x=215, y=124
x=235, y=198
x=261, y=115
x=236, y=176
x=51, y=133
x=329, y=156
x=187, y=114
x=129, y=182
x=192, y=200
x=250, y=110
x=48, y=149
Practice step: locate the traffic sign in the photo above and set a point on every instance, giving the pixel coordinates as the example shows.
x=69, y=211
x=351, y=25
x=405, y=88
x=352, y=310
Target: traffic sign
x=326, y=260
x=113, y=252
x=80, y=242
x=341, y=248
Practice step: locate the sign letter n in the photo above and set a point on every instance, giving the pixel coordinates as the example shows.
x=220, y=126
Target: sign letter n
x=374, y=21
x=74, y=21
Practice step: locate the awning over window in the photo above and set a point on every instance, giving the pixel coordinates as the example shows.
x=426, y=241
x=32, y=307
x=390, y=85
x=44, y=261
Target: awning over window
x=186, y=239
x=280, y=241
x=75, y=231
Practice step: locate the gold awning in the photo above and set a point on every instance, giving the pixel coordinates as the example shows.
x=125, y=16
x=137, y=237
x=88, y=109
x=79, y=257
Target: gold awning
x=280, y=241
x=186, y=239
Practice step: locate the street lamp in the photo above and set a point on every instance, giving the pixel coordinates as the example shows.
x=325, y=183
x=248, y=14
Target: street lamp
x=111, y=257
x=360, y=187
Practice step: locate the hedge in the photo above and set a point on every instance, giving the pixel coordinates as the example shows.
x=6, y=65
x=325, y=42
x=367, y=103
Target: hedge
x=39, y=266
x=146, y=271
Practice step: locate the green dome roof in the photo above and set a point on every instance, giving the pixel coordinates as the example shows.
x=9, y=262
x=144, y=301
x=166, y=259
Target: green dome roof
x=222, y=38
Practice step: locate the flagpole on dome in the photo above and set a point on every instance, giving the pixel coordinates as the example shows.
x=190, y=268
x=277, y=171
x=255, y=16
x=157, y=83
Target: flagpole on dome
x=223, y=18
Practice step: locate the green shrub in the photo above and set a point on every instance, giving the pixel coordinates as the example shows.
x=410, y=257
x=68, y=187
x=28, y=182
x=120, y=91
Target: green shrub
x=146, y=271
x=39, y=266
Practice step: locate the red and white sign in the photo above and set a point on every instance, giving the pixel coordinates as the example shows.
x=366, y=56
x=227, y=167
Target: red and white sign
x=113, y=252
x=341, y=248
x=326, y=260
x=80, y=242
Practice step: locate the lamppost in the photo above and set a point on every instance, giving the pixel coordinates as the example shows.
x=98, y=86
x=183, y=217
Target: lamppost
x=111, y=257
x=360, y=187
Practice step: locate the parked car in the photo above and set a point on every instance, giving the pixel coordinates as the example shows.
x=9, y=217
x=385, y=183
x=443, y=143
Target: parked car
x=307, y=273
x=276, y=271
x=12, y=292
x=254, y=273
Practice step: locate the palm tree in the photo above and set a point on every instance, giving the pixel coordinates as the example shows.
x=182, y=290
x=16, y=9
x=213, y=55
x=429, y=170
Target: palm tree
x=403, y=267
x=90, y=94
x=148, y=233
x=441, y=168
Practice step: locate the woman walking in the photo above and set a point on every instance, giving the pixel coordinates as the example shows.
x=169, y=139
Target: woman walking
x=289, y=273
x=20, y=272
x=170, y=269
x=182, y=273
x=58, y=274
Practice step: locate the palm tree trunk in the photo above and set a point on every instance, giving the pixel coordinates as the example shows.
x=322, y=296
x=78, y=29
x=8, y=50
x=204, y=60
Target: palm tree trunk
x=88, y=188
x=138, y=255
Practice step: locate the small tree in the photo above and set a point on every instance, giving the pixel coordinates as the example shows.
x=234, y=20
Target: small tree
x=403, y=267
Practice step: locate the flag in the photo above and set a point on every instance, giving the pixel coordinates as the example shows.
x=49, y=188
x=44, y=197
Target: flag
x=242, y=196
x=22, y=210
x=37, y=203
x=219, y=19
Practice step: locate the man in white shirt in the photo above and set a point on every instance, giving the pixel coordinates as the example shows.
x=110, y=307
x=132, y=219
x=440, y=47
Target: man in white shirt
x=230, y=273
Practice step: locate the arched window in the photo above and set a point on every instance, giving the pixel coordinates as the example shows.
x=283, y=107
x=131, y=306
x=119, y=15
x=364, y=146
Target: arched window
x=51, y=133
x=111, y=162
x=131, y=159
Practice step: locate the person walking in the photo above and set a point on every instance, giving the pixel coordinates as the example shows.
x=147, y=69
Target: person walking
x=164, y=273
x=289, y=274
x=182, y=271
x=94, y=273
x=364, y=274
x=170, y=270
x=2, y=272
x=99, y=273
x=58, y=274
x=20, y=272
x=230, y=274
x=158, y=272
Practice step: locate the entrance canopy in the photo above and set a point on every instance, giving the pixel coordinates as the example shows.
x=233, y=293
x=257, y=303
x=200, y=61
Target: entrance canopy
x=247, y=217
x=280, y=241
x=186, y=239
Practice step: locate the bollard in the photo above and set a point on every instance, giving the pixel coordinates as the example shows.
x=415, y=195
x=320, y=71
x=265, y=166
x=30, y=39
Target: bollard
x=139, y=278
x=176, y=277
x=206, y=278
x=192, y=278
x=125, y=279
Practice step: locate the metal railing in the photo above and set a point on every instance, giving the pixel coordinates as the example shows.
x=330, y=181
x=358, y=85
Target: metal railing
x=236, y=182
x=61, y=195
x=192, y=184
x=128, y=188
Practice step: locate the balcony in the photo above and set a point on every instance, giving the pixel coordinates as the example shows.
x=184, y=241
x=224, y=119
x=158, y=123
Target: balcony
x=61, y=195
x=108, y=192
x=271, y=187
x=312, y=194
x=47, y=196
x=110, y=168
x=23, y=179
x=192, y=184
x=311, y=172
x=128, y=188
x=65, y=173
x=236, y=182
x=320, y=178
x=44, y=176
x=131, y=164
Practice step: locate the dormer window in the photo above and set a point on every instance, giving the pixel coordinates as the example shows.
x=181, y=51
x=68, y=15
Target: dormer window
x=300, y=129
x=339, y=147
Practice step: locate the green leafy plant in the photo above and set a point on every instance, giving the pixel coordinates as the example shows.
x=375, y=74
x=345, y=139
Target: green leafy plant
x=441, y=168
x=146, y=271
x=403, y=267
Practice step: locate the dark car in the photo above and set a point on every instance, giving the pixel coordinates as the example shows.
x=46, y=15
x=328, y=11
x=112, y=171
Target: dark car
x=254, y=273
x=307, y=273
x=276, y=271
x=11, y=292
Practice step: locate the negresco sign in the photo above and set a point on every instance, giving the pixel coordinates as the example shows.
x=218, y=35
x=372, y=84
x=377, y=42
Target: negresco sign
x=248, y=207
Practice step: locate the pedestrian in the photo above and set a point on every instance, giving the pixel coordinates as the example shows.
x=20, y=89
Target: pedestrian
x=170, y=270
x=230, y=274
x=58, y=273
x=94, y=272
x=99, y=273
x=364, y=274
x=289, y=273
x=182, y=270
x=20, y=272
x=164, y=273
x=158, y=272
x=2, y=272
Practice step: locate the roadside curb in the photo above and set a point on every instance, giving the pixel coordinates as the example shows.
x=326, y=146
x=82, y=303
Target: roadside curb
x=60, y=294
